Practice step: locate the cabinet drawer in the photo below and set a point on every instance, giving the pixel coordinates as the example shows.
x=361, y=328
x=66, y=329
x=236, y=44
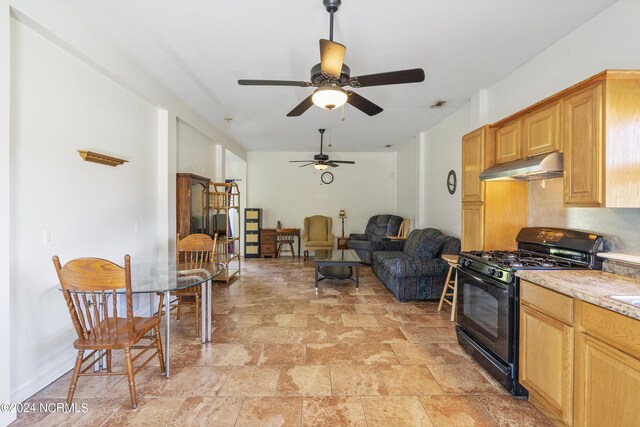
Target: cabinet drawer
x=268, y=238
x=251, y=226
x=251, y=238
x=268, y=249
x=251, y=249
x=620, y=331
x=551, y=303
x=252, y=214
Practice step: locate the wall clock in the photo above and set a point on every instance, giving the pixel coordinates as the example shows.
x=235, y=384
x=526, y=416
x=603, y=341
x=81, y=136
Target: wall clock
x=327, y=178
x=452, y=181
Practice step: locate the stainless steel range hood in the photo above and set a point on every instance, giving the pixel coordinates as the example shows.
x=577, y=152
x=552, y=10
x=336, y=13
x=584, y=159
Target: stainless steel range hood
x=540, y=167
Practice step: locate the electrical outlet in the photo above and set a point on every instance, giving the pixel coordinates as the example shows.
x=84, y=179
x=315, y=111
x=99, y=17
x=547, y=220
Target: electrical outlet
x=136, y=227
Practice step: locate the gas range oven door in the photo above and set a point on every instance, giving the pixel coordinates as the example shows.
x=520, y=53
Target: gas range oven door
x=485, y=311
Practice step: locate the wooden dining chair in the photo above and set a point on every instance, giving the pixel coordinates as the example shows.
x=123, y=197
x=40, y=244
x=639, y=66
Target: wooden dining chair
x=89, y=287
x=286, y=236
x=195, y=248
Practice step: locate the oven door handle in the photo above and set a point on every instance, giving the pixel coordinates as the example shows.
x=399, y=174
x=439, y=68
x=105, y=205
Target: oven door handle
x=499, y=366
x=493, y=282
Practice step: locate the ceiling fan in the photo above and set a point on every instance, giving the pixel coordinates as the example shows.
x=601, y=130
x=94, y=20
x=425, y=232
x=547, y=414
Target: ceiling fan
x=321, y=161
x=332, y=74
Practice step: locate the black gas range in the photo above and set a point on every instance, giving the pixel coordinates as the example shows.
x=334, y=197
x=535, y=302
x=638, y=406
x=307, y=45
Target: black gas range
x=489, y=293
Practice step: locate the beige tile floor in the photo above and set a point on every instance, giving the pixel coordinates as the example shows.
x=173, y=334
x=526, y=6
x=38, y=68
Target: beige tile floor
x=284, y=355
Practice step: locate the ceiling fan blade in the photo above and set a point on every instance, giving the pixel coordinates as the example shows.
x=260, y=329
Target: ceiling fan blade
x=347, y=162
x=272, y=83
x=331, y=57
x=363, y=104
x=332, y=164
x=300, y=161
x=301, y=108
x=415, y=75
x=311, y=163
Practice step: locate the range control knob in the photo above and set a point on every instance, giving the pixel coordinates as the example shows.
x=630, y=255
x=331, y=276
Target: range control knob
x=499, y=274
x=492, y=271
x=467, y=263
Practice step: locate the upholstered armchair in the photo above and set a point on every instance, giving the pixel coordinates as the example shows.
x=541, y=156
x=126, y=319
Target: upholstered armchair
x=376, y=236
x=317, y=234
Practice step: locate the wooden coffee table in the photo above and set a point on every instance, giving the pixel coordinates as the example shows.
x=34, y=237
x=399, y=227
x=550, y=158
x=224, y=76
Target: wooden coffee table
x=337, y=264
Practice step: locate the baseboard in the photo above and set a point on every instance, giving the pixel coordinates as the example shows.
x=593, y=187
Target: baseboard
x=32, y=387
x=7, y=418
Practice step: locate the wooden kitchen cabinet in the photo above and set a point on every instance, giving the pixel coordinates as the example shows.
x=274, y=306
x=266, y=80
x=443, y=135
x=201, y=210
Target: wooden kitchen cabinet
x=583, y=165
x=508, y=142
x=541, y=131
x=547, y=350
x=608, y=368
x=492, y=212
x=472, y=227
x=477, y=155
x=601, y=123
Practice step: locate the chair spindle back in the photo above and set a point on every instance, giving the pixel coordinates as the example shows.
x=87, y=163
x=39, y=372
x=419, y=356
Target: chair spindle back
x=87, y=285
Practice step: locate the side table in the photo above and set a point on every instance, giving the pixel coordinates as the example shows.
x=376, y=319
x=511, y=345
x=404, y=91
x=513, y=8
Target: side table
x=342, y=243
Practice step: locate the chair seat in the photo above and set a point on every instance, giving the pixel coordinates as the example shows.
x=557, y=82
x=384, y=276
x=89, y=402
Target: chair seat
x=141, y=325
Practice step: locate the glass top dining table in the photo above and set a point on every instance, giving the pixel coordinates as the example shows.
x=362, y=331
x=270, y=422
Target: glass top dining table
x=165, y=277
x=171, y=276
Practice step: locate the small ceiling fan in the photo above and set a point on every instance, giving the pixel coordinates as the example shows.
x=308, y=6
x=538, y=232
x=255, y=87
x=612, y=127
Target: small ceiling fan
x=321, y=161
x=332, y=74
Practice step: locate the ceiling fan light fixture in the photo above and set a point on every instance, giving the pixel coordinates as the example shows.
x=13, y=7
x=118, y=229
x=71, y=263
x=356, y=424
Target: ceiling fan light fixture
x=329, y=97
x=320, y=166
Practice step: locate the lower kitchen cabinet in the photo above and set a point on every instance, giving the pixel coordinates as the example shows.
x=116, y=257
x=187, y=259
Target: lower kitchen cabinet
x=608, y=368
x=547, y=351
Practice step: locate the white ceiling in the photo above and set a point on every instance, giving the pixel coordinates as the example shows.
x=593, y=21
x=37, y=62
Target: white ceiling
x=200, y=48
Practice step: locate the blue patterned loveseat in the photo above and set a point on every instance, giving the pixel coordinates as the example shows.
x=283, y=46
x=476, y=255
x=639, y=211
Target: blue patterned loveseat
x=415, y=271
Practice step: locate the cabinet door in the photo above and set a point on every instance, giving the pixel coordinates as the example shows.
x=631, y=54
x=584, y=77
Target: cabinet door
x=546, y=362
x=541, y=131
x=607, y=386
x=473, y=161
x=582, y=140
x=508, y=140
x=472, y=227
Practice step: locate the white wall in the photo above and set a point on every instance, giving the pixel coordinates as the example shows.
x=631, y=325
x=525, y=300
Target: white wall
x=5, y=209
x=407, y=172
x=196, y=152
x=442, y=153
x=609, y=40
x=289, y=193
x=60, y=104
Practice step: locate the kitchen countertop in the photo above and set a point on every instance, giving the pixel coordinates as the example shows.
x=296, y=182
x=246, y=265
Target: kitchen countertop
x=592, y=286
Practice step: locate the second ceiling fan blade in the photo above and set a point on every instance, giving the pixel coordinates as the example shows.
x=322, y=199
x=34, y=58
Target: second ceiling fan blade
x=244, y=82
x=347, y=162
x=332, y=164
x=331, y=57
x=310, y=163
x=301, y=108
x=415, y=75
x=363, y=104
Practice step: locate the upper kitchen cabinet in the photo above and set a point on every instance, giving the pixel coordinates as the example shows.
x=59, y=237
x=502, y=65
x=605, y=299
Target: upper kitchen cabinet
x=541, y=131
x=583, y=166
x=508, y=141
x=477, y=155
x=601, y=136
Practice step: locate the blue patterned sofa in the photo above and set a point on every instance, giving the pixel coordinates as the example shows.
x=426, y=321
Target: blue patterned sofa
x=379, y=227
x=414, y=269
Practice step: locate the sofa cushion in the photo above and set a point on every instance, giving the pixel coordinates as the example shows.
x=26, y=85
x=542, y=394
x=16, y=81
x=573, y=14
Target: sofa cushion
x=359, y=244
x=383, y=225
x=426, y=243
x=398, y=264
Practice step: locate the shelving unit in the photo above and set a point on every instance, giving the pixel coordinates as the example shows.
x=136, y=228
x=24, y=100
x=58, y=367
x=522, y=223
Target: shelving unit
x=224, y=199
x=252, y=226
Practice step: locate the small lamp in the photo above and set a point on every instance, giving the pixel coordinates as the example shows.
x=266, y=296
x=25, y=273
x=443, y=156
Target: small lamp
x=342, y=215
